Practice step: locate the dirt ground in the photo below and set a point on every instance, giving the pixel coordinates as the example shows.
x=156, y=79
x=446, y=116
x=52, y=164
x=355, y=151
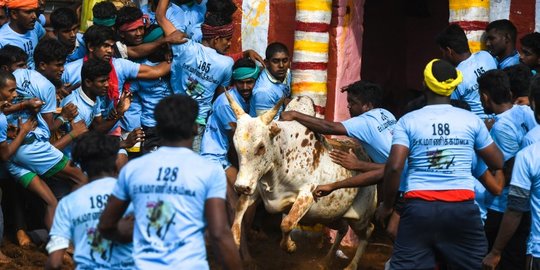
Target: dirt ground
x=266, y=253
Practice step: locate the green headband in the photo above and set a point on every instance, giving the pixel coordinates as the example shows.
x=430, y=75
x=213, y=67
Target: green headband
x=153, y=35
x=105, y=22
x=243, y=73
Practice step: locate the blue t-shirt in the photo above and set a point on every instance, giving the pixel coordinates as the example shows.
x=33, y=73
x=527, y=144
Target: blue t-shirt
x=472, y=67
x=76, y=218
x=508, y=61
x=509, y=129
x=531, y=137
x=197, y=71
x=79, y=51
x=478, y=169
x=149, y=93
x=27, y=41
x=374, y=131
x=31, y=84
x=441, y=141
x=168, y=189
x=267, y=92
x=526, y=175
x=188, y=18
x=215, y=142
x=3, y=127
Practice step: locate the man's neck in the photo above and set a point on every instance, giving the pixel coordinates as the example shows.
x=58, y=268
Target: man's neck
x=101, y=175
x=182, y=143
x=507, y=52
x=500, y=108
x=434, y=99
x=13, y=25
x=462, y=57
x=89, y=94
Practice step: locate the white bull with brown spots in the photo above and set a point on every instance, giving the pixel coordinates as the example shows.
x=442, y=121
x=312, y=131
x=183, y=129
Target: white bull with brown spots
x=282, y=163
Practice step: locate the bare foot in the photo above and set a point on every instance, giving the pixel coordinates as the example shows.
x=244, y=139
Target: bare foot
x=23, y=239
x=4, y=259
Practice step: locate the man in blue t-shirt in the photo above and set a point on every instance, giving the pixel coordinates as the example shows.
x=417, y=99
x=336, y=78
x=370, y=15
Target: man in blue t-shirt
x=77, y=215
x=187, y=16
x=66, y=26
x=530, y=51
x=512, y=122
x=176, y=194
x=520, y=78
x=501, y=43
x=274, y=82
x=370, y=124
x=455, y=49
x=533, y=136
x=438, y=143
x=22, y=30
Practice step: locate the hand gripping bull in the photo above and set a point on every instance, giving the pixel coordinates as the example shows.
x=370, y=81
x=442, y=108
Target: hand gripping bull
x=281, y=163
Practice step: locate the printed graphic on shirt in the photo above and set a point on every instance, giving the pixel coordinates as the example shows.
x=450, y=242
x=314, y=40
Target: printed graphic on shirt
x=160, y=218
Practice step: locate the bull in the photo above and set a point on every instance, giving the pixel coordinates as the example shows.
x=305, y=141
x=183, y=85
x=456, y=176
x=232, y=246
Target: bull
x=281, y=163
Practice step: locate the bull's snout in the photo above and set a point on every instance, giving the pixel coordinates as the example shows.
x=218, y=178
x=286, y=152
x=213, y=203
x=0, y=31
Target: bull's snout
x=244, y=190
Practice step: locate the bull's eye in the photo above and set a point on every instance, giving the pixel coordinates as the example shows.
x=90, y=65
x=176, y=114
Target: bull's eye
x=260, y=150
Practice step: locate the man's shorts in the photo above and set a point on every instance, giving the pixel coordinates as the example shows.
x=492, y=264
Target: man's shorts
x=533, y=263
x=36, y=158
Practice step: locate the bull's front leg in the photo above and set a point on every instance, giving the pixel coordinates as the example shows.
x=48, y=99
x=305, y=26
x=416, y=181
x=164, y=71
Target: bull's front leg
x=300, y=207
x=244, y=202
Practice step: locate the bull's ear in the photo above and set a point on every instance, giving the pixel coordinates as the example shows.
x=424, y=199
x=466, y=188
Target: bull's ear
x=233, y=126
x=274, y=130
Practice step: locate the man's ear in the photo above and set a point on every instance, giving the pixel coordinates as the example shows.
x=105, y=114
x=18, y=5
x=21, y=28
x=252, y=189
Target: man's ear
x=4, y=68
x=40, y=66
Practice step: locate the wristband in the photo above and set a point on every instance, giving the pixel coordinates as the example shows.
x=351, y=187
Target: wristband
x=61, y=119
x=71, y=136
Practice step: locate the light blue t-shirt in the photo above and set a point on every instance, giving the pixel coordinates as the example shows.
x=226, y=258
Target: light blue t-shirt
x=509, y=129
x=79, y=51
x=3, y=127
x=441, y=141
x=149, y=93
x=27, y=41
x=374, y=131
x=168, y=189
x=533, y=136
x=31, y=84
x=76, y=218
x=188, y=18
x=197, y=71
x=508, y=61
x=215, y=142
x=472, y=67
x=267, y=92
x=526, y=175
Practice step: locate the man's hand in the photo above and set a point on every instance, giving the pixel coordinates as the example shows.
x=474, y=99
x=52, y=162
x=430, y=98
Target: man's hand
x=135, y=136
x=78, y=128
x=69, y=112
x=4, y=104
x=33, y=105
x=123, y=103
x=66, y=89
x=322, y=190
x=12, y=131
x=287, y=116
x=382, y=214
x=125, y=226
x=253, y=55
x=491, y=260
x=348, y=160
x=27, y=126
x=176, y=37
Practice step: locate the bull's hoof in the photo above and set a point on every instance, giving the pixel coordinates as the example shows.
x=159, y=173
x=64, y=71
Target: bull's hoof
x=289, y=246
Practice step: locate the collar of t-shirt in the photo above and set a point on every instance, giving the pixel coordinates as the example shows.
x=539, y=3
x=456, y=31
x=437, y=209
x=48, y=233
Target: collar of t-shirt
x=276, y=81
x=86, y=98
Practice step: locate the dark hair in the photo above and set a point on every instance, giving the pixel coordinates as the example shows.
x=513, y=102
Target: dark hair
x=505, y=26
x=10, y=54
x=175, y=116
x=443, y=71
x=274, y=48
x=453, y=37
x=216, y=19
x=128, y=14
x=366, y=92
x=4, y=77
x=531, y=41
x=97, y=35
x=94, y=68
x=496, y=85
x=64, y=18
x=520, y=78
x=244, y=62
x=534, y=97
x=104, y=10
x=223, y=8
x=48, y=50
x=96, y=153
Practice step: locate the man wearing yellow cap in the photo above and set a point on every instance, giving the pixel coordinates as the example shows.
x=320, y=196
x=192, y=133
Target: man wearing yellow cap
x=439, y=215
x=22, y=30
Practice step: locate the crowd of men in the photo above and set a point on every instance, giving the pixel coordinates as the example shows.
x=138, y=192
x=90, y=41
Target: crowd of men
x=125, y=134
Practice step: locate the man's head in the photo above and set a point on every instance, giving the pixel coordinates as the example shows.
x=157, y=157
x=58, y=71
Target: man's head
x=8, y=87
x=217, y=32
x=65, y=25
x=175, y=116
x=12, y=58
x=50, y=57
x=104, y=14
x=501, y=38
x=441, y=78
x=3, y=16
x=131, y=24
x=96, y=153
x=452, y=42
x=530, y=50
x=520, y=78
x=534, y=98
x=95, y=77
x=494, y=87
x=363, y=96
x=277, y=60
x=99, y=42
x=245, y=74
x=164, y=53
x=225, y=8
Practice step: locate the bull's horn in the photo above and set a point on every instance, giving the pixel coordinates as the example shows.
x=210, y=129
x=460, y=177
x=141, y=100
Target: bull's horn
x=238, y=111
x=269, y=115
